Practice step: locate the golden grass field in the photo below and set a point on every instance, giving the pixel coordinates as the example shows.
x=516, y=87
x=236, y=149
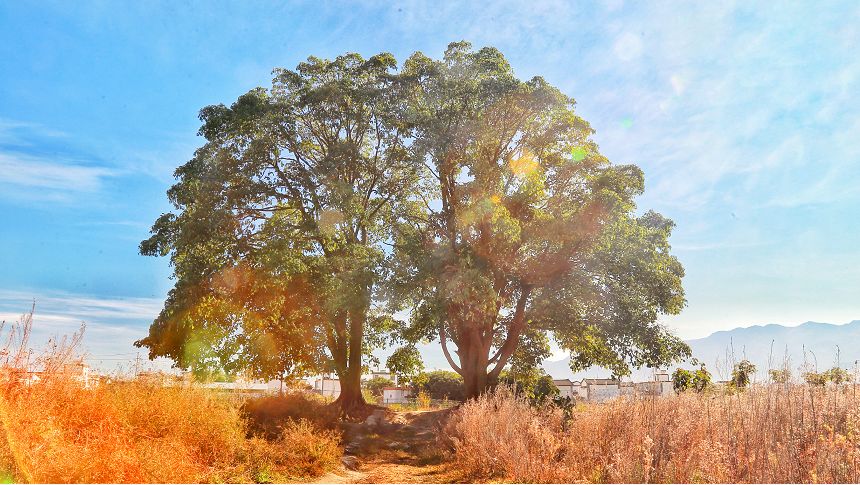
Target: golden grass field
x=132, y=431
x=767, y=434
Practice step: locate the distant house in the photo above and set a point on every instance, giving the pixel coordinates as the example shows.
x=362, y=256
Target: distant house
x=396, y=395
x=660, y=386
x=385, y=374
x=327, y=387
x=155, y=378
x=599, y=390
x=330, y=386
x=580, y=390
x=566, y=388
x=77, y=372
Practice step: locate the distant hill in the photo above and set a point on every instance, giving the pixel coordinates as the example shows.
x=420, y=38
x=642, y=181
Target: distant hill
x=766, y=346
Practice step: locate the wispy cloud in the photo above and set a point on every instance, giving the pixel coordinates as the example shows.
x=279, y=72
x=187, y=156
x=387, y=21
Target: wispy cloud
x=80, y=307
x=112, y=323
x=16, y=132
x=38, y=163
x=51, y=179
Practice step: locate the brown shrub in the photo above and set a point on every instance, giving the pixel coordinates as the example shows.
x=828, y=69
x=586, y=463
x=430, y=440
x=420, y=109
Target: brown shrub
x=267, y=415
x=769, y=434
x=302, y=450
x=501, y=435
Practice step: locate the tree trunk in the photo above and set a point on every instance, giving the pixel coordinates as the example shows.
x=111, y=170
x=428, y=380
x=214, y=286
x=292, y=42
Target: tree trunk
x=474, y=351
x=473, y=368
x=351, y=402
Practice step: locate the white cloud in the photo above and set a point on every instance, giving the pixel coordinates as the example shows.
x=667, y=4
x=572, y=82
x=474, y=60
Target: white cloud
x=16, y=132
x=627, y=47
x=112, y=324
x=63, y=306
x=26, y=172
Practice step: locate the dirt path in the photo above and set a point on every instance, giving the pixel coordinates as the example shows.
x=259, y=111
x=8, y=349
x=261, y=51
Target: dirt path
x=394, y=447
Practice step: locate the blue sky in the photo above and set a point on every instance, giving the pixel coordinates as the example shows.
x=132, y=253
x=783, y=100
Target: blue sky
x=743, y=115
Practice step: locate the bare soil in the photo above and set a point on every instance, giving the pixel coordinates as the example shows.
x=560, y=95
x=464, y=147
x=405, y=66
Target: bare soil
x=394, y=447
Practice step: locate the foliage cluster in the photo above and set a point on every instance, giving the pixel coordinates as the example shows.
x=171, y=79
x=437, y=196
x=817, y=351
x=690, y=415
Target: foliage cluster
x=440, y=385
x=698, y=380
x=535, y=384
x=742, y=374
x=836, y=375
x=376, y=385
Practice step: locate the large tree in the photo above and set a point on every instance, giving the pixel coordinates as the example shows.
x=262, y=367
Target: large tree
x=522, y=228
x=276, y=241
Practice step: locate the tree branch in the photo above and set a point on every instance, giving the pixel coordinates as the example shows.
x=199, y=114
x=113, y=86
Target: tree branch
x=443, y=338
x=513, y=337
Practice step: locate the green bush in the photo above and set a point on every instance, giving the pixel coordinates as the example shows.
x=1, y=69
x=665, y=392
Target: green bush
x=440, y=384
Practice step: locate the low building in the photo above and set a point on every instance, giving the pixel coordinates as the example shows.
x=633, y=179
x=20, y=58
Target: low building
x=661, y=385
x=580, y=390
x=599, y=390
x=327, y=387
x=76, y=372
x=384, y=374
x=565, y=388
x=396, y=395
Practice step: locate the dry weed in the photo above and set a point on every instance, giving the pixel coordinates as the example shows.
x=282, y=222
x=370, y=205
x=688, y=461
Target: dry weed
x=769, y=434
x=55, y=430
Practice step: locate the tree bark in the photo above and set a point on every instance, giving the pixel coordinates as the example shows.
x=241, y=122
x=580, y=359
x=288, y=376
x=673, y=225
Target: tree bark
x=474, y=350
x=473, y=363
x=351, y=402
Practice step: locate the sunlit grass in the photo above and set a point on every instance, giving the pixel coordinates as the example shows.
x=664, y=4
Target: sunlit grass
x=57, y=430
x=768, y=434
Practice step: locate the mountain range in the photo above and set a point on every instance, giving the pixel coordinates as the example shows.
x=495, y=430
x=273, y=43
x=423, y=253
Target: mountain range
x=811, y=345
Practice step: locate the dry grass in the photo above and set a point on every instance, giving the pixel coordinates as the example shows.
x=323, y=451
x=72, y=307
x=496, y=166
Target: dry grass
x=56, y=431
x=770, y=434
x=267, y=415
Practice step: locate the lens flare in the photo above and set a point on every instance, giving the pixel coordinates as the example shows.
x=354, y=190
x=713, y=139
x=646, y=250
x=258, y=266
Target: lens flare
x=524, y=165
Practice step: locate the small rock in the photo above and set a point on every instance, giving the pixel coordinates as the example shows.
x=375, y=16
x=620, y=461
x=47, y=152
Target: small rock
x=349, y=462
x=375, y=419
x=396, y=445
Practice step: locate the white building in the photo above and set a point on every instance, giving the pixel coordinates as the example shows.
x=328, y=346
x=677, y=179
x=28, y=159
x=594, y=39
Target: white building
x=385, y=374
x=566, y=388
x=661, y=385
x=327, y=387
x=330, y=386
x=599, y=390
x=395, y=395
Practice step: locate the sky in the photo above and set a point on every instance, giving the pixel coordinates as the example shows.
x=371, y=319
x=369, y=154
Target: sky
x=744, y=117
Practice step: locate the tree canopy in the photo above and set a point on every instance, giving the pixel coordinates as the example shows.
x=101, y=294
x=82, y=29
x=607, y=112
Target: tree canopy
x=524, y=229
x=475, y=201
x=279, y=222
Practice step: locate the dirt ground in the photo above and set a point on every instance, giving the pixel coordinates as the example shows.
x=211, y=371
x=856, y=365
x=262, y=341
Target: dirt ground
x=394, y=447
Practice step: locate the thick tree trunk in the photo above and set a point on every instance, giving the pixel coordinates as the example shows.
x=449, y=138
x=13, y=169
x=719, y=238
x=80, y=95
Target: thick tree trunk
x=475, y=381
x=474, y=351
x=473, y=364
x=351, y=402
